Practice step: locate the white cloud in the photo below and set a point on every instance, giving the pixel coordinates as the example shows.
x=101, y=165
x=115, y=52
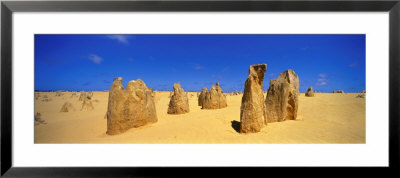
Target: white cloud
x=198, y=67
x=119, y=38
x=322, y=75
x=322, y=80
x=95, y=59
x=321, y=83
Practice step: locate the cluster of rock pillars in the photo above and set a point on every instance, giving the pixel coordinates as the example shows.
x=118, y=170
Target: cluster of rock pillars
x=135, y=106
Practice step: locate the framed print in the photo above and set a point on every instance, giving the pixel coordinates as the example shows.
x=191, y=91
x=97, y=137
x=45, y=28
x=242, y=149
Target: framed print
x=167, y=84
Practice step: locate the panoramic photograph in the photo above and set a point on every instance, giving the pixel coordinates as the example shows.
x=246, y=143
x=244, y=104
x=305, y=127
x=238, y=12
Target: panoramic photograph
x=200, y=89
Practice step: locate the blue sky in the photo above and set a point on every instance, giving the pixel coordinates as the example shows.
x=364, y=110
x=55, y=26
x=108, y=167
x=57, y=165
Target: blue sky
x=90, y=62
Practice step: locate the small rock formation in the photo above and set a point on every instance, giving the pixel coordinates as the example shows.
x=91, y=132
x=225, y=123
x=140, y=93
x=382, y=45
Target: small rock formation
x=214, y=98
x=179, y=103
x=59, y=93
x=46, y=99
x=82, y=96
x=67, y=107
x=87, y=104
x=236, y=93
x=252, y=107
x=90, y=95
x=362, y=95
x=310, y=92
x=282, y=101
x=363, y=91
x=38, y=119
x=202, y=96
x=133, y=107
x=37, y=96
x=338, y=91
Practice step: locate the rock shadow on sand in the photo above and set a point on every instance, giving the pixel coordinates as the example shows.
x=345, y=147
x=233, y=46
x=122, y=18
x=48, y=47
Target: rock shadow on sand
x=236, y=125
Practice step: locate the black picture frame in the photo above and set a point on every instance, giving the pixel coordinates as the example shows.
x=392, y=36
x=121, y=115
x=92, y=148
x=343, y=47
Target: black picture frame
x=8, y=7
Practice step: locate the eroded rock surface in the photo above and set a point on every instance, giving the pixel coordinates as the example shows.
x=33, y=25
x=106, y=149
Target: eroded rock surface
x=89, y=95
x=282, y=101
x=179, y=103
x=202, y=96
x=38, y=119
x=310, y=92
x=67, y=107
x=253, y=107
x=214, y=98
x=82, y=95
x=87, y=104
x=133, y=107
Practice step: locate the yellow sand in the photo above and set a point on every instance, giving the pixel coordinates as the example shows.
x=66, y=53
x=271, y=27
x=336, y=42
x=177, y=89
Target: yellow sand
x=325, y=118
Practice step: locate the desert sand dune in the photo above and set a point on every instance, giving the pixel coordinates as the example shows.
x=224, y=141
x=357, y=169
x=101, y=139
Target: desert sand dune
x=325, y=118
